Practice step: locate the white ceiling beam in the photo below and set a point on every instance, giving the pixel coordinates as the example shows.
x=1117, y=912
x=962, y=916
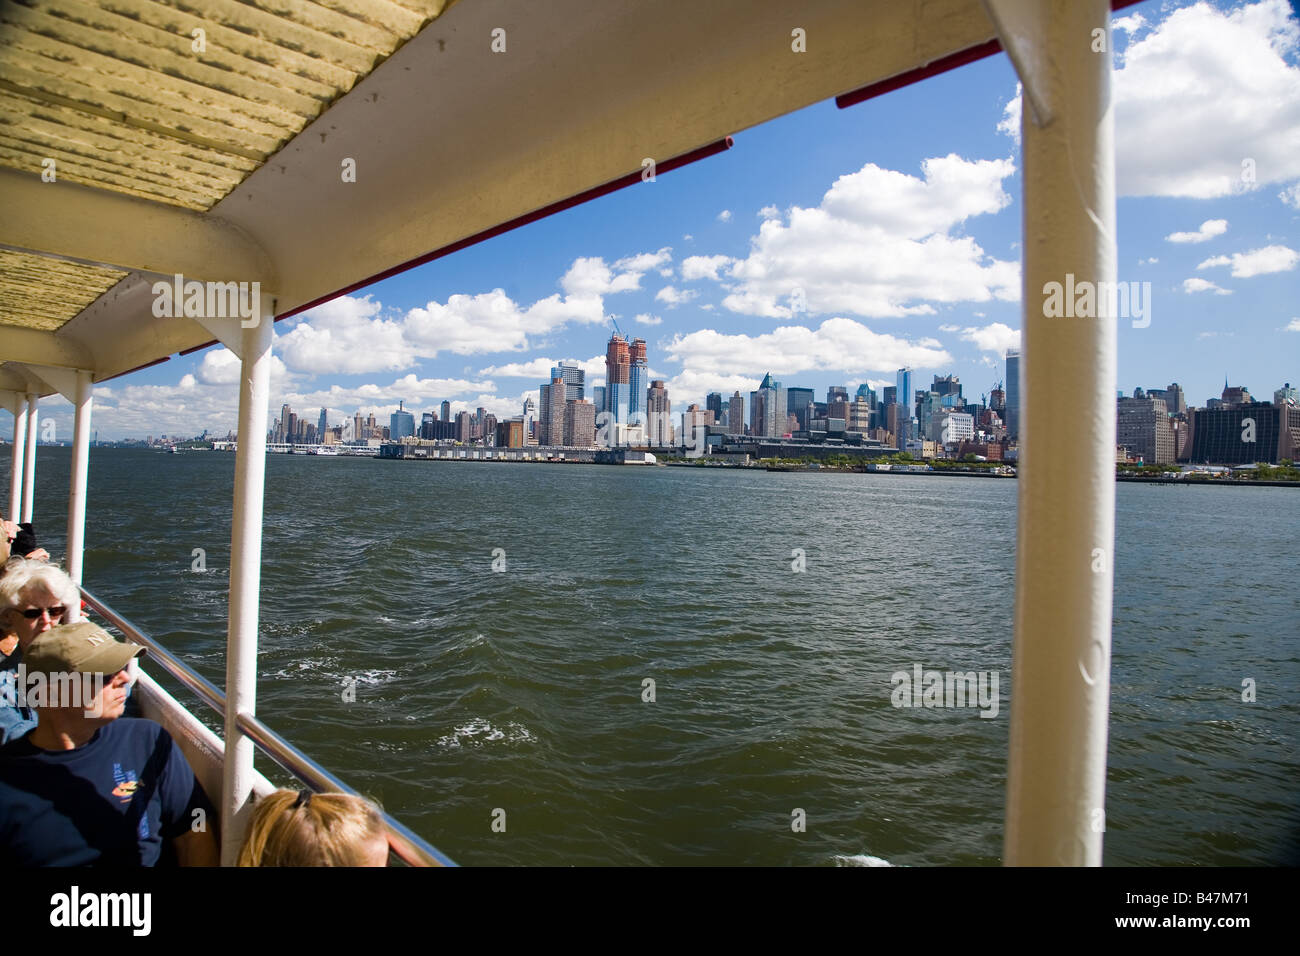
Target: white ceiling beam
x=11, y=398
x=1022, y=29
x=61, y=380
x=121, y=331
x=528, y=127
x=81, y=224
x=35, y=347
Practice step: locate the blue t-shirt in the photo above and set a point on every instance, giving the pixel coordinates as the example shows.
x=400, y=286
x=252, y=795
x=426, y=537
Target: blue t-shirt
x=111, y=802
x=14, y=720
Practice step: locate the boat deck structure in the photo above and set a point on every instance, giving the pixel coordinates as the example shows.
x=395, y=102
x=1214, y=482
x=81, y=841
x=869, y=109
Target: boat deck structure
x=171, y=180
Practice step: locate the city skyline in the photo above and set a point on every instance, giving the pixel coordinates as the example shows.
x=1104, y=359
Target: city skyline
x=837, y=265
x=1154, y=424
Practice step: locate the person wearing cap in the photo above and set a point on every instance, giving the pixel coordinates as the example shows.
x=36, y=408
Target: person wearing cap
x=86, y=786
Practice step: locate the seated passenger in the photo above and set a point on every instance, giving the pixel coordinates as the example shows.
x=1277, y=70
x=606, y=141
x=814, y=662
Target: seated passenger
x=301, y=828
x=85, y=788
x=34, y=597
x=20, y=539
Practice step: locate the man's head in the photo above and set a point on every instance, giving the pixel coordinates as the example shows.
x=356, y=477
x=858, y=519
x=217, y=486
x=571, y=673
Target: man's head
x=34, y=597
x=84, y=669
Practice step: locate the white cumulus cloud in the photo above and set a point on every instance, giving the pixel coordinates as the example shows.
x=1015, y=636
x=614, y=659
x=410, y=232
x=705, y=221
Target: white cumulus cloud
x=1256, y=262
x=1203, y=285
x=1010, y=122
x=703, y=267
x=1129, y=24
x=837, y=344
x=347, y=335
x=1206, y=103
x=673, y=297
x=1208, y=230
x=995, y=337
x=880, y=244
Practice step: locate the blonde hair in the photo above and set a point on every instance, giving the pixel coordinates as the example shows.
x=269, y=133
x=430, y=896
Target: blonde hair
x=323, y=829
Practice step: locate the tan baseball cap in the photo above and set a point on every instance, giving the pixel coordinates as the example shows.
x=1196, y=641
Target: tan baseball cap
x=81, y=648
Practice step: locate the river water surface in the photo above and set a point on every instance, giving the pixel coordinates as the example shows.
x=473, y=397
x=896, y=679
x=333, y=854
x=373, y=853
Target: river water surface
x=520, y=696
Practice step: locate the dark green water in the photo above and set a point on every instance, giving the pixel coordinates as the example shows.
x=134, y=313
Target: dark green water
x=522, y=690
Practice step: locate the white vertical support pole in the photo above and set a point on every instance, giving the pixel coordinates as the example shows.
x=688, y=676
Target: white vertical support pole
x=16, y=462
x=29, y=458
x=82, y=405
x=1066, y=489
x=245, y=571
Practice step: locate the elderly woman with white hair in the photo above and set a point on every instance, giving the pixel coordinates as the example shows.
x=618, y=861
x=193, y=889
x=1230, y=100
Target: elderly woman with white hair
x=34, y=596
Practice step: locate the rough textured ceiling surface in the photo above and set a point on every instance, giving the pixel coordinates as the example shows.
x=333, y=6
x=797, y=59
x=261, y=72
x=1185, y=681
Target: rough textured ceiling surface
x=171, y=102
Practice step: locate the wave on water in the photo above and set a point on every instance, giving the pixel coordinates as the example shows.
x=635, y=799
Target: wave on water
x=326, y=669
x=480, y=731
x=860, y=859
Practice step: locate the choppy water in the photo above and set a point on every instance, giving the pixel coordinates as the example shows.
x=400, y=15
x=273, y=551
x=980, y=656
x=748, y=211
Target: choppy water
x=523, y=690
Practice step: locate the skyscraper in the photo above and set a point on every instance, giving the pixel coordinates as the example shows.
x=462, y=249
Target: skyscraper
x=638, y=370
x=618, y=374
x=579, y=424
x=446, y=411
x=530, y=417
x=1142, y=426
x=837, y=402
x=736, y=415
x=324, y=422
x=713, y=402
x=553, y=401
x=799, y=403
x=904, y=385
x=694, y=422
x=401, y=423
x=283, y=432
x=767, y=411
x=574, y=381
x=859, y=419
x=1013, y=393
x=659, y=410
x=947, y=385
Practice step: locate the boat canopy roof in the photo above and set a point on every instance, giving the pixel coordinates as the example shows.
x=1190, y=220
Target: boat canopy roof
x=142, y=140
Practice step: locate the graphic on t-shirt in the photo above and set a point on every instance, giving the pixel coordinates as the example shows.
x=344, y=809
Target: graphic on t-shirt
x=127, y=783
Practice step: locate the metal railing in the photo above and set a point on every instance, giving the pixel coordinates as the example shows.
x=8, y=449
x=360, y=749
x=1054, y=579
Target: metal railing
x=410, y=848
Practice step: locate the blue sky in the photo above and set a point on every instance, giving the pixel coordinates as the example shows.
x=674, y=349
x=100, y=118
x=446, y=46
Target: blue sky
x=900, y=221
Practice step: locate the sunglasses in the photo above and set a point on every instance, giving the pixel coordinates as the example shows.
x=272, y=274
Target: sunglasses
x=32, y=613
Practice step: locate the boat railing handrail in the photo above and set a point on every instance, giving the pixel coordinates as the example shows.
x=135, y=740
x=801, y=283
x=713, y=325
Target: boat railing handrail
x=410, y=848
